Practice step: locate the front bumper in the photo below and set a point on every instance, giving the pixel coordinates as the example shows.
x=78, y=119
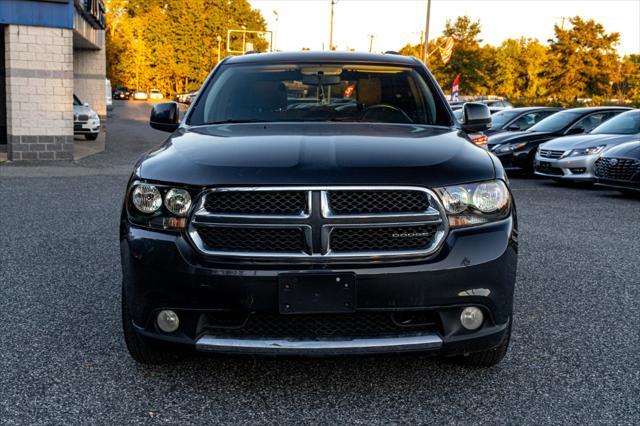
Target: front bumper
x=84, y=127
x=579, y=169
x=513, y=160
x=475, y=267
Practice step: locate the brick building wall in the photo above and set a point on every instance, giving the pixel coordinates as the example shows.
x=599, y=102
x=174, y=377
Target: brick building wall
x=39, y=90
x=89, y=70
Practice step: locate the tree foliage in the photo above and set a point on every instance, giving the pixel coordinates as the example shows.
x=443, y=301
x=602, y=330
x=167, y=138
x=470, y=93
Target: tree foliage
x=172, y=45
x=580, y=62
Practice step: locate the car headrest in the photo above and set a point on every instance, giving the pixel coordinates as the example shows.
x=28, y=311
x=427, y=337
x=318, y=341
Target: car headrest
x=369, y=91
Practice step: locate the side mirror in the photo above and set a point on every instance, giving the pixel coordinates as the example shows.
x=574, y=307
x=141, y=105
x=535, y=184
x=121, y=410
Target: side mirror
x=476, y=117
x=165, y=116
x=575, y=131
x=85, y=104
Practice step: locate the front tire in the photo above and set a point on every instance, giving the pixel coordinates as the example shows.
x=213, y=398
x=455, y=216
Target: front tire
x=488, y=358
x=140, y=350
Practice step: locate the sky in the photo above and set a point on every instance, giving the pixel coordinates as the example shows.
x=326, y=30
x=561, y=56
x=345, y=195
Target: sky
x=394, y=23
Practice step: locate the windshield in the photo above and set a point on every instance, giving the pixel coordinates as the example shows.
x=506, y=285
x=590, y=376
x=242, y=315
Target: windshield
x=318, y=92
x=501, y=118
x=623, y=124
x=556, y=122
x=77, y=101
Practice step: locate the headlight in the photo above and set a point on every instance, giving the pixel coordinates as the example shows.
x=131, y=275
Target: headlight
x=592, y=150
x=476, y=203
x=159, y=206
x=177, y=201
x=513, y=147
x=146, y=198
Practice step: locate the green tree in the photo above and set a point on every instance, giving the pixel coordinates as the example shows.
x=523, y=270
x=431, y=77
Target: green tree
x=173, y=45
x=582, y=60
x=518, y=68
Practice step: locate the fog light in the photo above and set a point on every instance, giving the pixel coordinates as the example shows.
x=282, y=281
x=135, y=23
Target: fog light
x=168, y=321
x=471, y=318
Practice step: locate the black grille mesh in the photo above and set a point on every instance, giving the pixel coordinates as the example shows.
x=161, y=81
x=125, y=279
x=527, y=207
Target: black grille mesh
x=273, y=240
x=619, y=169
x=382, y=238
x=257, y=202
x=325, y=325
x=377, y=202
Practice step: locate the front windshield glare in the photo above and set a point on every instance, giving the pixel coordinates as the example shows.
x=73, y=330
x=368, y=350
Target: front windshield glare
x=623, y=124
x=556, y=122
x=318, y=92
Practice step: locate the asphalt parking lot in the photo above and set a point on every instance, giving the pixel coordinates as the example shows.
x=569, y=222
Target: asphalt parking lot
x=573, y=358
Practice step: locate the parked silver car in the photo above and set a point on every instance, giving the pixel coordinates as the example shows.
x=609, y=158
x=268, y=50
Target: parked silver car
x=572, y=157
x=85, y=120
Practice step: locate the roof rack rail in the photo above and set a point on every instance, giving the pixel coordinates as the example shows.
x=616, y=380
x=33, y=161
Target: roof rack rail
x=391, y=52
x=251, y=52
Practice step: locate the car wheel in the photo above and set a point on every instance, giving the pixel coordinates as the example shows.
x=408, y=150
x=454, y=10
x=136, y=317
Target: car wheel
x=140, y=350
x=489, y=358
x=91, y=136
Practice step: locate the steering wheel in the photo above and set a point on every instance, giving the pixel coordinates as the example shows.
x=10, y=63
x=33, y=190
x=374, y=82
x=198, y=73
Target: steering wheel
x=379, y=107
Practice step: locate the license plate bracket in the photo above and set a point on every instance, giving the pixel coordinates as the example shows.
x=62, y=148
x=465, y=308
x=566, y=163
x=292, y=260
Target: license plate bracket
x=316, y=293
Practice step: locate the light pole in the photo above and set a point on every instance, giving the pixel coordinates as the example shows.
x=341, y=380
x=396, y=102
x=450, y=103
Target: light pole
x=244, y=39
x=333, y=2
x=275, y=38
x=371, y=36
x=425, y=47
x=219, y=38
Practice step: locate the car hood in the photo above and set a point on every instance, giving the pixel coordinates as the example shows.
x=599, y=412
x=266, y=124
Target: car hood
x=81, y=109
x=625, y=150
x=516, y=137
x=585, y=141
x=316, y=154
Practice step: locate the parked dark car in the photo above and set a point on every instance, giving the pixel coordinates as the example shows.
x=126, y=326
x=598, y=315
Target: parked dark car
x=365, y=223
x=121, y=93
x=619, y=168
x=516, y=150
x=518, y=119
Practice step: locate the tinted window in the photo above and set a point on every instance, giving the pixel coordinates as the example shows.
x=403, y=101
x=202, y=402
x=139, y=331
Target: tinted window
x=318, y=92
x=556, y=122
x=501, y=118
x=77, y=101
x=623, y=124
x=592, y=121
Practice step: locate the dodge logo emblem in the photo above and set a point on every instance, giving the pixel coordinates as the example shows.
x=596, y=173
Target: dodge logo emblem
x=410, y=234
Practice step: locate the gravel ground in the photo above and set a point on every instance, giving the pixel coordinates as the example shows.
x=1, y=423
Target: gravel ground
x=573, y=358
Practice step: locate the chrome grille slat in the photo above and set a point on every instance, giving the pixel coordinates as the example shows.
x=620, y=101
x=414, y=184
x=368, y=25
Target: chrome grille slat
x=549, y=153
x=318, y=221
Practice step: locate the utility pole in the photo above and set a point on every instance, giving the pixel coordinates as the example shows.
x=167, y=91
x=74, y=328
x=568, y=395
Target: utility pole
x=333, y=2
x=219, y=38
x=371, y=36
x=425, y=47
x=244, y=39
x=275, y=37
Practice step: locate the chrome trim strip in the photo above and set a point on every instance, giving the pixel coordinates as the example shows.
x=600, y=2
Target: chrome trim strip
x=325, y=206
x=328, y=229
x=337, y=346
x=195, y=237
x=201, y=211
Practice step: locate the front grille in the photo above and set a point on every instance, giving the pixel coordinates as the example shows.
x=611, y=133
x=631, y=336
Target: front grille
x=83, y=118
x=377, y=202
x=245, y=239
x=548, y=153
x=382, y=238
x=321, y=325
x=257, y=202
x=617, y=168
x=318, y=224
